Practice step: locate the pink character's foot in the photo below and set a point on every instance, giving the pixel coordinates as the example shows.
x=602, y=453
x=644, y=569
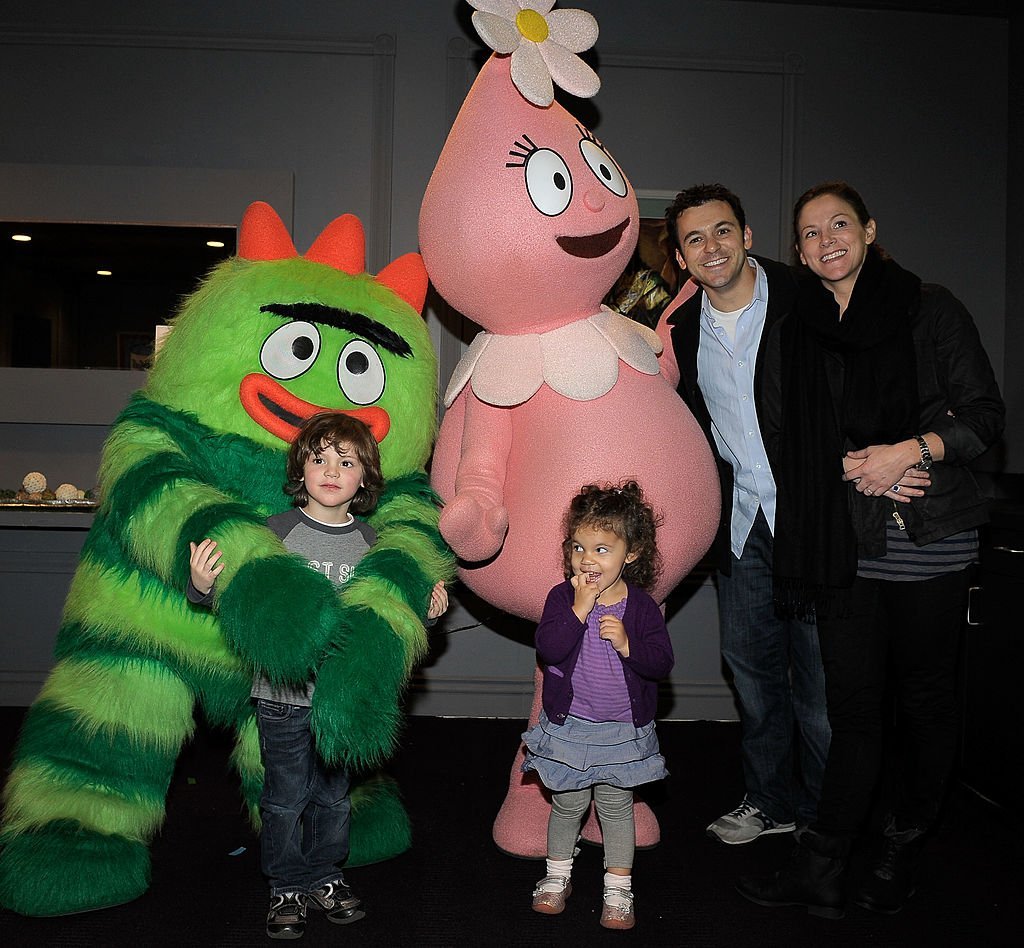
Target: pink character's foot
x=521, y=826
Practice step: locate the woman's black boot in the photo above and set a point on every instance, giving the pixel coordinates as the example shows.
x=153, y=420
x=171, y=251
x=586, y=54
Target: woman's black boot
x=892, y=877
x=814, y=877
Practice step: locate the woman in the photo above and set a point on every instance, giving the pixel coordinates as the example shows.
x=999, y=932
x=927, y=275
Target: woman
x=887, y=394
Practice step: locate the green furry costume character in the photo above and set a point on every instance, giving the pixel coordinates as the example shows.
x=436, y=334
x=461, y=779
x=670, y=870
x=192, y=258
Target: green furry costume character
x=268, y=339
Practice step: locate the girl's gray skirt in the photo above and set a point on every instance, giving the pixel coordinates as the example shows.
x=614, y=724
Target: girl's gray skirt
x=579, y=753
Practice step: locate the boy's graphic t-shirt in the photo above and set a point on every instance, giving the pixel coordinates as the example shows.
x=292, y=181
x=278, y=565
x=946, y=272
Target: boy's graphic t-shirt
x=329, y=549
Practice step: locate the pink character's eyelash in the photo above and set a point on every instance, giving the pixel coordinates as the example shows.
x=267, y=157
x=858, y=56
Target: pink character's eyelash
x=589, y=135
x=525, y=148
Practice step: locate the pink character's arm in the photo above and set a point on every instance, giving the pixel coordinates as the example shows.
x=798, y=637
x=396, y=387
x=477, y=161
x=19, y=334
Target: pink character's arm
x=667, y=359
x=475, y=521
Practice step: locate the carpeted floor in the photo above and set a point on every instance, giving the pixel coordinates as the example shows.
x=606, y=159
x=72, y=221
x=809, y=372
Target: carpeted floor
x=454, y=888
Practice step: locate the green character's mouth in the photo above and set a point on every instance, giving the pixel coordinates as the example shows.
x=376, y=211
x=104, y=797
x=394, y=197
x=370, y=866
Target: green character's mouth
x=281, y=413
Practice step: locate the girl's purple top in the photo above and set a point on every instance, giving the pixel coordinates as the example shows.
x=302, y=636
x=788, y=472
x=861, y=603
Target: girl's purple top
x=599, y=690
x=560, y=638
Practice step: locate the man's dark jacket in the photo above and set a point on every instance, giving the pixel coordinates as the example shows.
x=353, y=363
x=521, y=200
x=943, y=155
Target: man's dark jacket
x=685, y=328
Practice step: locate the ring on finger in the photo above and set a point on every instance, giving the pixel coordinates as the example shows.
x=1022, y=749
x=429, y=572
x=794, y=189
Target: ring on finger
x=895, y=488
x=868, y=491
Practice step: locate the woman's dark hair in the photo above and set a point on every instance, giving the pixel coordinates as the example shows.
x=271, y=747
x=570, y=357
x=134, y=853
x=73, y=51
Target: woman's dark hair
x=335, y=429
x=622, y=510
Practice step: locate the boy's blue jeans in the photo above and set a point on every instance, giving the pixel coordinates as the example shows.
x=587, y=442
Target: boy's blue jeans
x=305, y=804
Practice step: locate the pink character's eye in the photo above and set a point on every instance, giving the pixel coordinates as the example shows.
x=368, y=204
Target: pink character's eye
x=548, y=181
x=602, y=164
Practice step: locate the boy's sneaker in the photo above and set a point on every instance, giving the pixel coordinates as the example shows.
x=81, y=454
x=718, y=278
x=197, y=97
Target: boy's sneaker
x=337, y=901
x=550, y=894
x=745, y=824
x=617, y=910
x=287, y=915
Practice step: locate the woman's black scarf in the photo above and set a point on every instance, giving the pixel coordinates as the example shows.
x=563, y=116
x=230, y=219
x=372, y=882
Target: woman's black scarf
x=822, y=522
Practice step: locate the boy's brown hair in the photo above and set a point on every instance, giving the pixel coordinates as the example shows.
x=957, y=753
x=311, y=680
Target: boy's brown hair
x=334, y=429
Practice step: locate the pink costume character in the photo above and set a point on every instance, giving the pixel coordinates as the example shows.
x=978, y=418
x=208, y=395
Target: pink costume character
x=525, y=225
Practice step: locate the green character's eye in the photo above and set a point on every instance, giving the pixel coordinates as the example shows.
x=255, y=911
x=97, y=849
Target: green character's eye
x=361, y=373
x=290, y=350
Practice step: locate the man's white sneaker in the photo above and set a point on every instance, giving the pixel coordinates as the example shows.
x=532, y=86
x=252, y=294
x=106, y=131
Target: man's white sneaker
x=745, y=824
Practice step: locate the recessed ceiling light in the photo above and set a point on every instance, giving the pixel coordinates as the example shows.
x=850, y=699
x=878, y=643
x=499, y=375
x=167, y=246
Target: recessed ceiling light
x=104, y=273
x=215, y=243
x=21, y=238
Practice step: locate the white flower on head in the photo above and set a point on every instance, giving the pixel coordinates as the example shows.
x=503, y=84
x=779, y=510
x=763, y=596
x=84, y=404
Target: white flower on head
x=543, y=43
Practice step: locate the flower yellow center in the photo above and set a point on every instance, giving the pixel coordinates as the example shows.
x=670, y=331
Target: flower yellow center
x=532, y=25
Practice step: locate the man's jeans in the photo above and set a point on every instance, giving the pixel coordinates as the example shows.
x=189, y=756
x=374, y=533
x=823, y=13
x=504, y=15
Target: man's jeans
x=305, y=804
x=777, y=673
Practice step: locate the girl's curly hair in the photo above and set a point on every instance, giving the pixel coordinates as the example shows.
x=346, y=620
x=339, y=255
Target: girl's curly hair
x=622, y=510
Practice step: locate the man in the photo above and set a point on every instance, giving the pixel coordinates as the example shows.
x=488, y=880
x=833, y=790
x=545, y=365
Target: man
x=720, y=336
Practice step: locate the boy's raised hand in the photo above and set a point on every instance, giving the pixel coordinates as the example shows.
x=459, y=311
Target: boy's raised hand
x=438, y=601
x=203, y=564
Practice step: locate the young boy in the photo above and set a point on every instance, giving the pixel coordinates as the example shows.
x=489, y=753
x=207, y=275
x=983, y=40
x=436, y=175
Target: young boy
x=333, y=470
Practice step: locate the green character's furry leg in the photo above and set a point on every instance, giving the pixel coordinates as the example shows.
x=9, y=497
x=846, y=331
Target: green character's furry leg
x=246, y=760
x=380, y=826
x=87, y=790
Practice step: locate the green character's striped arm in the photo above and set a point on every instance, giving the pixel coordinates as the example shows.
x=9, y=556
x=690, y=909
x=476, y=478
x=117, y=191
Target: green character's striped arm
x=356, y=705
x=275, y=613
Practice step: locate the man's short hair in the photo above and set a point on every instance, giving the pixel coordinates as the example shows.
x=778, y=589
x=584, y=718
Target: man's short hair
x=697, y=196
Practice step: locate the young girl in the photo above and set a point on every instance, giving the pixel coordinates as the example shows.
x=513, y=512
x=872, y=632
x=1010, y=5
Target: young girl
x=603, y=644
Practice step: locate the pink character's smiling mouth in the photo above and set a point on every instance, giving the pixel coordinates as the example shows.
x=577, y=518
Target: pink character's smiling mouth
x=594, y=245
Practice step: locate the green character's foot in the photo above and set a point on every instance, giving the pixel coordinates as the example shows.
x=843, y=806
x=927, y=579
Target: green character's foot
x=63, y=869
x=380, y=825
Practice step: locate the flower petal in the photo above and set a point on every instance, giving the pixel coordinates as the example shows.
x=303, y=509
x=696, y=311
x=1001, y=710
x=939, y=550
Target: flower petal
x=496, y=32
x=568, y=70
x=576, y=30
x=503, y=8
x=531, y=76
x=543, y=7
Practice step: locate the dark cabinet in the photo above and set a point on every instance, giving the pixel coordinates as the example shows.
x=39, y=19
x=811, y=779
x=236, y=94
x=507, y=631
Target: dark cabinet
x=992, y=751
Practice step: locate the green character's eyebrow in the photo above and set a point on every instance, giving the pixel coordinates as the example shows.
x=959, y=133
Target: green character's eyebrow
x=357, y=323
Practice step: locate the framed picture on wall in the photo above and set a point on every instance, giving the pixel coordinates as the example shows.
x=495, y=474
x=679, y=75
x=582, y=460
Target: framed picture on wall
x=651, y=278
x=134, y=350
